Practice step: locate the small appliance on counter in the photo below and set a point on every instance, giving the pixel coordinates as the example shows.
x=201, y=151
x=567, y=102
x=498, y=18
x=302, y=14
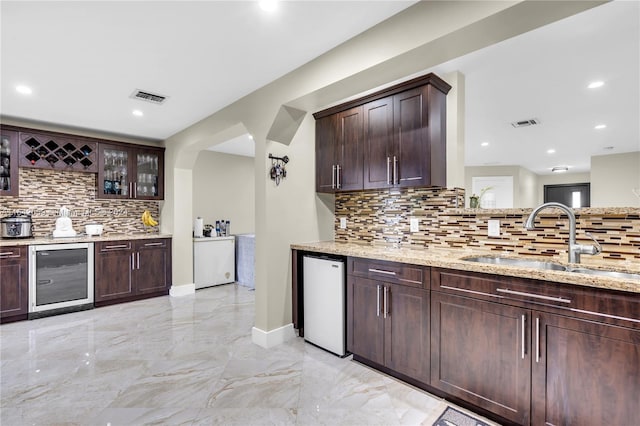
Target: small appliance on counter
x=92, y=229
x=64, y=227
x=17, y=225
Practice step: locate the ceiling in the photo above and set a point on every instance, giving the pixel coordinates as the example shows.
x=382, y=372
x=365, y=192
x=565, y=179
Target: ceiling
x=83, y=59
x=543, y=75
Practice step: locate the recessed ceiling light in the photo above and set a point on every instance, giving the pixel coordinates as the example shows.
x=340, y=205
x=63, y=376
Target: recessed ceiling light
x=137, y=113
x=551, y=151
x=25, y=90
x=268, y=5
x=600, y=126
x=484, y=144
x=595, y=84
x=560, y=169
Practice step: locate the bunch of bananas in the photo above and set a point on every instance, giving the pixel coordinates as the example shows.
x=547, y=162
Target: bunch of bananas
x=148, y=220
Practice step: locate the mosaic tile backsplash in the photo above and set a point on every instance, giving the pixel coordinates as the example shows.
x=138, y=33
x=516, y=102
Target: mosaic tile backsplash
x=384, y=217
x=43, y=192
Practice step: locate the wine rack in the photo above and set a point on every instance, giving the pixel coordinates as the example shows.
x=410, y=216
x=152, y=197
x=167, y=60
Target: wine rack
x=46, y=152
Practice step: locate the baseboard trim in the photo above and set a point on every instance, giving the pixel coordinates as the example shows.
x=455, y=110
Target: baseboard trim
x=275, y=337
x=182, y=290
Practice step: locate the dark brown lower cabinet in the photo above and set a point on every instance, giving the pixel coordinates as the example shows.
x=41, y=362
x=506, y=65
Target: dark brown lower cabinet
x=390, y=326
x=14, y=285
x=536, y=352
x=586, y=373
x=480, y=352
x=131, y=269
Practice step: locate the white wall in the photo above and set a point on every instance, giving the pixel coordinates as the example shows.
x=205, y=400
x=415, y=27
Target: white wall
x=426, y=34
x=224, y=188
x=614, y=178
x=523, y=182
x=528, y=188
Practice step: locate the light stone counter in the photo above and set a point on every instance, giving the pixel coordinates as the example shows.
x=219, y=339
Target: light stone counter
x=81, y=238
x=454, y=259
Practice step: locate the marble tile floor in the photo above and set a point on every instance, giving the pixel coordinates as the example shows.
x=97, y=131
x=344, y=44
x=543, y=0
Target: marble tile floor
x=188, y=361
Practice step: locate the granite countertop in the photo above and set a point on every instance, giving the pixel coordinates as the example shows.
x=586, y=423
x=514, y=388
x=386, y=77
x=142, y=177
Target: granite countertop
x=80, y=238
x=454, y=259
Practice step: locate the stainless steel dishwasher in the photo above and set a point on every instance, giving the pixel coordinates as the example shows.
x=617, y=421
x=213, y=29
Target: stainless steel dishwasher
x=324, y=303
x=60, y=278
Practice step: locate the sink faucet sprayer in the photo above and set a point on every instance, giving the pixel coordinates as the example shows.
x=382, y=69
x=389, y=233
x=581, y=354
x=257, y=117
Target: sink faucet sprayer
x=575, y=250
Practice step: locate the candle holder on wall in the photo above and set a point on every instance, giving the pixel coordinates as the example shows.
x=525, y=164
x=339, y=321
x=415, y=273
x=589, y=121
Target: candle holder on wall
x=278, y=170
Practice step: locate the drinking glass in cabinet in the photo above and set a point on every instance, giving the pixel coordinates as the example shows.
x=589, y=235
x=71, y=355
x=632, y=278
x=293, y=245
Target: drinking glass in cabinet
x=115, y=172
x=5, y=165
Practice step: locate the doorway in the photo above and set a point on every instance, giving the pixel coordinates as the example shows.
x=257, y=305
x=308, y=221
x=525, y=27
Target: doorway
x=575, y=195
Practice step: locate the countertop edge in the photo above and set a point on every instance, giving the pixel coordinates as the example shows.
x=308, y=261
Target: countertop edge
x=453, y=259
x=7, y=242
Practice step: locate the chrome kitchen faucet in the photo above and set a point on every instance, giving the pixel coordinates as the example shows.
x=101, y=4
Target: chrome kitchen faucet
x=575, y=250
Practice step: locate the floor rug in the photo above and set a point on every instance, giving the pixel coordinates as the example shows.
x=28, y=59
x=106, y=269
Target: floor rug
x=453, y=417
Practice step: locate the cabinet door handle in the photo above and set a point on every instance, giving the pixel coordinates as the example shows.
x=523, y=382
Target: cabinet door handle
x=338, y=176
x=133, y=262
x=537, y=339
x=138, y=257
x=522, y=331
x=117, y=246
x=152, y=244
x=378, y=302
x=386, y=301
x=135, y=190
x=333, y=177
x=395, y=170
x=6, y=254
x=536, y=296
x=380, y=271
x=130, y=189
x=388, y=170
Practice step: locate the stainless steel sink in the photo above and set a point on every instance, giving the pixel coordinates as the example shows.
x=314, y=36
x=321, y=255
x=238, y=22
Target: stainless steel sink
x=522, y=263
x=610, y=274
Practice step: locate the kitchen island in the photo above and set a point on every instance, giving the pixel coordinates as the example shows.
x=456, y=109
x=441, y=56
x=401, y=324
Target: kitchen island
x=520, y=345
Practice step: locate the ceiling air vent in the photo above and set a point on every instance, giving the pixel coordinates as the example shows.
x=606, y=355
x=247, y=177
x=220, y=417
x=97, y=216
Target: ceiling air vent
x=148, y=96
x=526, y=123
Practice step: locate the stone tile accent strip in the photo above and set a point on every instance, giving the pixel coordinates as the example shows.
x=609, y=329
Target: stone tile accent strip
x=383, y=217
x=43, y=192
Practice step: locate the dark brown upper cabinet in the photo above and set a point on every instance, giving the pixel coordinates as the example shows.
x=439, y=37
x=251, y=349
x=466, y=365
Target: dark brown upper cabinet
x=339, y=151
x=130, y=172
x=393, y=138
x=57, y=151
x=9, y=163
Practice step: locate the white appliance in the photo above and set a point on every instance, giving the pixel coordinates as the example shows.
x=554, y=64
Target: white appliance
x=324, y=303
x=214, y=261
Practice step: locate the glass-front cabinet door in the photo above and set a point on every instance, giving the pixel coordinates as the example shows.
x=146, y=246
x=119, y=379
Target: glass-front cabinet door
x=148, y=176
x=114, y=172
x=9, y=163
x=130, y=172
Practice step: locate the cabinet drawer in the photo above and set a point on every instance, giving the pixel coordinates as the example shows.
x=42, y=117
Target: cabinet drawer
x=585, y=302
x=391, y=272
x=151, y=244
x=13, y=252
x=108, y=246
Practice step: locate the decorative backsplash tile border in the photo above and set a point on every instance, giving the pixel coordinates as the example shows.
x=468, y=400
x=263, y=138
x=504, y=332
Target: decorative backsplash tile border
x=43, y=192
x=383, y=217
